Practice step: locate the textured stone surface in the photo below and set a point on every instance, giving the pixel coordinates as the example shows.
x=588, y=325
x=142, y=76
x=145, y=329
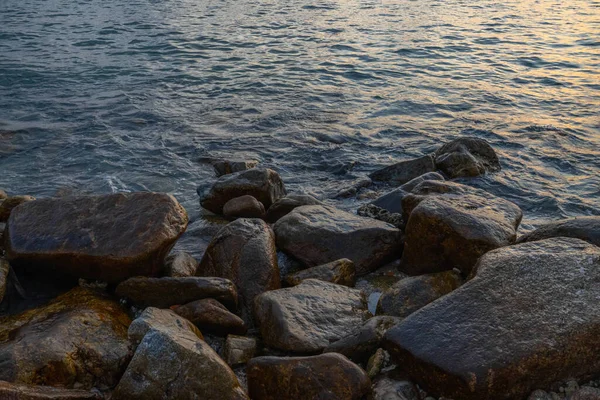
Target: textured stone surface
x=4, y=270
x=389, y=386
x=285, y=205
x=224, y=167
x=584, y=228
x=244, y=251
x=176, y=364
x=109, y=238
x=317, y=235
x=448, y=231
x=238, y=349
x=361, y=344
x=156, y=319
x=392, y=201
x=12, y=391
x=586, y=393
x=263, y=184
x=244, y=207
x=410, y=294
x=8, y=204
x=340, y=271
x=211, y=316
x=327, y=376
x=165, y=292
x=527, y=319
x=466, y=156
x=307, y=317
x=404, y=171
x=78, y=340
x=180, y=264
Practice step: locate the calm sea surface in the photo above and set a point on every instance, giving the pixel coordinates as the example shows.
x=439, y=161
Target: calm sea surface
x=104, y=96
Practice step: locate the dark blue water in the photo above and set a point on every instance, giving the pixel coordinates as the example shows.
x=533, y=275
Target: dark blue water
x=101, y=96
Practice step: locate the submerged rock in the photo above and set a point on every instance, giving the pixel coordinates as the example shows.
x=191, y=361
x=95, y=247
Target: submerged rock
x=340, y=271
x=410, y=294
x=156, y=319
x=244, y=207
x=288, y=321
x=224, y=167
x=317, y=235
x=239, y=349
x=584, y=228
x=466, y=156
x=527, y=319
x=211, y=316
x=180, y=264
x=78, y=340
x=108, y=238
x=165, y=292
x=286, y=205
x=9, y=203
x=326, y=376
x=404, y=171
x=263, y=184
x=244, y=251
x=12, y=391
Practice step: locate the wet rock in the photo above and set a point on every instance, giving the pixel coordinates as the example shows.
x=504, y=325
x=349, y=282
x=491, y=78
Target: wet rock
x=586, y=393
x=584, y=228
x=327, y=376
x=180, y=264
x=156, y=319
x=108, y=238
x=239, y=349
x=78, y=340
x=8, y=204
x=446, y=232
x=317, y=235
x=466, y=156
x=263, y=184
x=244, y=207
x=307, y=317
x=392, y=201
x=12, y=391
x=244, y=251
x=165, y=292
x=404, y=171
x=372, y=211
x=362, y=343
x=4, y=270
x=224, y=167
x=527, y=319
x=340, y=271
x=176, y=364
x=414, y=293
x=287, y=204
x=211, y=316
x=388, y=387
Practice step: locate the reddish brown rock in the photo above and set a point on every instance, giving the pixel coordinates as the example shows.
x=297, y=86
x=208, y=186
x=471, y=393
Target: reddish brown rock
x=8, y=204
x=109, y=238
x=244, y=207
x=340, y=271
x=211, y=316
x=12, y=391
x=327, y=376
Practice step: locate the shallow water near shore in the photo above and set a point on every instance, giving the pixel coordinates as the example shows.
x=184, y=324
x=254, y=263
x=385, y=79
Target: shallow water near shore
x=106, y=96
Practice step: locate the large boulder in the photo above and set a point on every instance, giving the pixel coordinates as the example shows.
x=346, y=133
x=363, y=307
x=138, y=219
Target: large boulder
x=404, y=171
x=341, y=272
x=584, y=228
x=244, y=251
x=413, y=293
x=174, y=363
x=109, y=238
x=78, y=340
x=263, y=184
x=307, y=317
x=466, y=156
x=285, y=205
x=447, y=231
x=528, y=318
x=165, y=292
x=327, y=376
x=8, y=204
x=317, y=235
x=15, y=391
x=211, y=316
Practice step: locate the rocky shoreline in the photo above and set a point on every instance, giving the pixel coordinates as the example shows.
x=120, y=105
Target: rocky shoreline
x=428, y=292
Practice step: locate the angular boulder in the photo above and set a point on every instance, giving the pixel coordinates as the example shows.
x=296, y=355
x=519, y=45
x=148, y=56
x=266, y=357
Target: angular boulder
x=109, y=238
x=466, y=156
x=340, y=271
x=413, y=293
x=78, y=340
x=180, y=264
x=317, y=235
x=308, y=317
x=8, y=204
x=584, y=228
x=13, y=391
x=244, y=251
x=165, y=292
x=156, y=319
x=527, y=319
x=326, y=376
x=244, y=207
x=285, y=205
x=404, y=171
x=211, y=316
x=263, y=184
